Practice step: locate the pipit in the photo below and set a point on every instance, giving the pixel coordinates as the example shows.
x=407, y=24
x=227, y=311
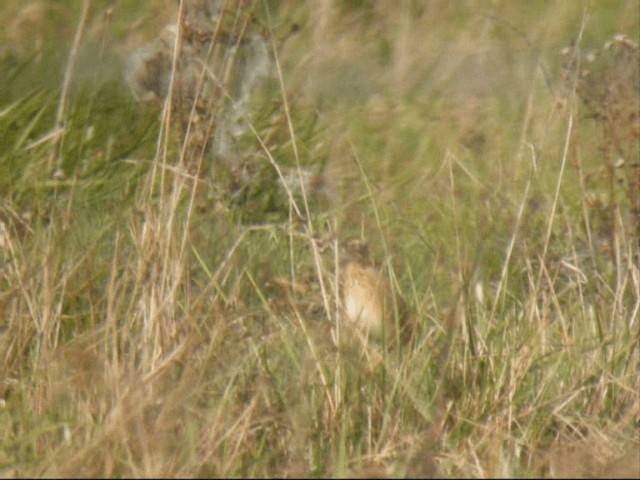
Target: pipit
x=366, y=297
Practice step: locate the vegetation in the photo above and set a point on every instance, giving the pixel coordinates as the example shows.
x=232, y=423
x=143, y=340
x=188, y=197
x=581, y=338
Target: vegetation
x=170, y=228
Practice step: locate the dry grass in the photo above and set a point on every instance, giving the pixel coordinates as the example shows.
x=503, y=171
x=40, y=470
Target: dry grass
x=169, y=265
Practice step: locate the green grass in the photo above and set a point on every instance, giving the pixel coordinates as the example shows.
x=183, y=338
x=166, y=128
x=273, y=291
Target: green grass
x=169, y=310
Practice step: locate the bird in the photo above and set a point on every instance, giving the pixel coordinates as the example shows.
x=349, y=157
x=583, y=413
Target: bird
x=367, y=302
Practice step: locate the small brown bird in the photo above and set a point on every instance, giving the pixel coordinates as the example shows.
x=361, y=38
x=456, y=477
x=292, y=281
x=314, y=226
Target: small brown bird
x=366, y=297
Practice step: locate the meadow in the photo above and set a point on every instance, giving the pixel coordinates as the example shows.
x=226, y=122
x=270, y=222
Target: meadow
x=176, y=182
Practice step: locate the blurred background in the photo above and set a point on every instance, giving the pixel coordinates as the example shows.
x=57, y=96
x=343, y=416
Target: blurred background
x=175, y=181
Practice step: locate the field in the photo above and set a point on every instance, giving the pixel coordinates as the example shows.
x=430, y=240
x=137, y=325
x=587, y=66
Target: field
x=177, y=179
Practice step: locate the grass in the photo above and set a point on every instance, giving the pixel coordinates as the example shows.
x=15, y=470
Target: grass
x=168, y=265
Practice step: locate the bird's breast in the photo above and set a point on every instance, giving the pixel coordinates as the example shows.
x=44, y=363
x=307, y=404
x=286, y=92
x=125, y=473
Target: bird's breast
x=361, y=297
